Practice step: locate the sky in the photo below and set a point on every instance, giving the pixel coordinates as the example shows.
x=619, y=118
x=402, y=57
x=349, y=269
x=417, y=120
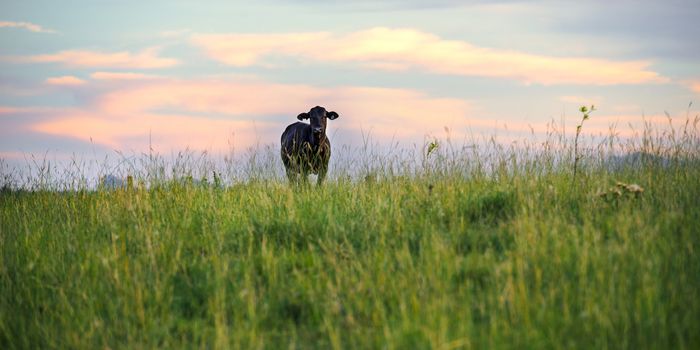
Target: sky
x=88, y=78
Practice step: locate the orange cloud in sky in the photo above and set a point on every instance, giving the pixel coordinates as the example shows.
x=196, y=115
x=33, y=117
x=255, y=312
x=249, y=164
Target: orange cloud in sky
x=695, y=86
x=144, y=59
x=169, y=131
x=243, y=50
x=582, y=100
x=120, y=76
x=402, y=114
x=67, y=80
x=203, y=113
x=400, y=49
x=389, y=112
x=26, y=25
x=9, y=110
x=212, y=96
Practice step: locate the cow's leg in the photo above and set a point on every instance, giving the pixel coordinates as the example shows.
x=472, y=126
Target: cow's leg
x=304, y=177
x=292, y=176
x=321, y=175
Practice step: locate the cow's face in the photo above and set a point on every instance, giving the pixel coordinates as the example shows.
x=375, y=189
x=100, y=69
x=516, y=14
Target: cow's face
x=318, y=118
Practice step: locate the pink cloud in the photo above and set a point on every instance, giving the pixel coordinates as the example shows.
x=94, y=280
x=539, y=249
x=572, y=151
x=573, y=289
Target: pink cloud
x=67, y=80
x=213, y=96
x=695, y=86
x=204, y=113
x=389, y=112
x=243, y=50
x=120, y=76
x=6, y=110
x=401, y=49
x=26, y=25
x=144, y=59
x=170, y=132
x=9, y=110
x=402, y=114
x=582, y=100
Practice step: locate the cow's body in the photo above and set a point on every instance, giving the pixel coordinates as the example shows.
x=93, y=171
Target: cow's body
x=305, y=147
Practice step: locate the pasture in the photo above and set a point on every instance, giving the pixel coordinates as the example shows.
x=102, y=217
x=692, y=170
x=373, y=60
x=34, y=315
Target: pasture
x=454, y=254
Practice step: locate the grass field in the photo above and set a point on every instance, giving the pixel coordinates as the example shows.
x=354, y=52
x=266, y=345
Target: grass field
x=519, y=254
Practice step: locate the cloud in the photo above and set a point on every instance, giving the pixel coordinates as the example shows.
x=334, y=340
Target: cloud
x=242, y=50
x=26, y=25
x=169, y=131
x=401, y=114
x=695, y=86
x=175, y=33
x=404, y=49
x=216, y=114
x=390, y=111
x=120, y=76
x=582, y=100
x=67, y=80
x=9, y=110
x=204, y=113
x=144, y=59
x=391, y=5
x=207, y=96
x=692, y=85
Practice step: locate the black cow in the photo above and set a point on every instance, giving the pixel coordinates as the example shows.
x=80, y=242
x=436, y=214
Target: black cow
x=305, y=147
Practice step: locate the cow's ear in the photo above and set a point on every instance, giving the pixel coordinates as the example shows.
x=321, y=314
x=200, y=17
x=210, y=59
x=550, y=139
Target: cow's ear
x=332, y=115
x=303, y=116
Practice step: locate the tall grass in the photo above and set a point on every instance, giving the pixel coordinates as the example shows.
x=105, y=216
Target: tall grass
x=482, y=246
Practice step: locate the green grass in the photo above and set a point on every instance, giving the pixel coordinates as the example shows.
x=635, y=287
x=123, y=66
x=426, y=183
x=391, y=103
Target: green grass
x=519, y=258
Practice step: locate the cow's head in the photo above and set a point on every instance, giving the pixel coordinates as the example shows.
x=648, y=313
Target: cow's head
x=318, y=118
